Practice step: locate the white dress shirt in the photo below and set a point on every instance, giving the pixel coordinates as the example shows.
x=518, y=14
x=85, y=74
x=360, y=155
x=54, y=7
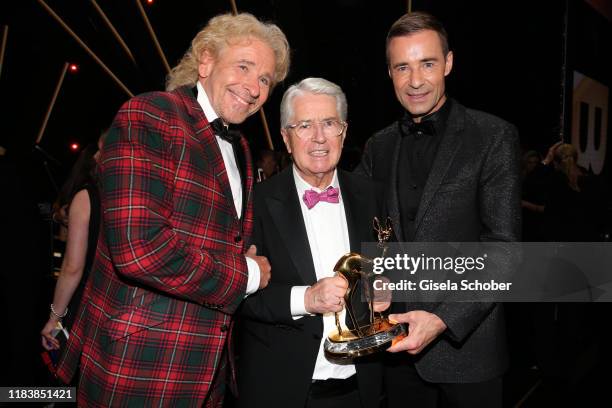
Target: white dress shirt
x=233, y=174
x=328, y=239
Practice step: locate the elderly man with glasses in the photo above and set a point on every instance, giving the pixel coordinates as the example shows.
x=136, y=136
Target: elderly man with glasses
x=306, y=218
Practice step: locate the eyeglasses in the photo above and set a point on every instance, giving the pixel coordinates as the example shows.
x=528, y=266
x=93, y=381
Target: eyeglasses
x=305, y=129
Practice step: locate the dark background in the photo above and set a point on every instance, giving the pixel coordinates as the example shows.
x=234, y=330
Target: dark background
x=509, y=61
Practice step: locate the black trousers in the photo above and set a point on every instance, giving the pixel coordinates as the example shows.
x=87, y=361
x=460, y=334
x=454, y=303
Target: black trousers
x=334, y=394
x=405, y=388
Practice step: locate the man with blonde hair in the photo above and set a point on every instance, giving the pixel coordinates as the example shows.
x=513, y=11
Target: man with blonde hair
x=172, y=266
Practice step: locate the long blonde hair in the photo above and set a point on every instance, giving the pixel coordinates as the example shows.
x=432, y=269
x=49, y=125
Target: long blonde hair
x=221, y=31
x=566, y=161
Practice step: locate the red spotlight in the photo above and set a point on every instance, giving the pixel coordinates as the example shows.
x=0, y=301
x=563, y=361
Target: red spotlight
x=74, y=68
x=149, y=1
x=74, y=147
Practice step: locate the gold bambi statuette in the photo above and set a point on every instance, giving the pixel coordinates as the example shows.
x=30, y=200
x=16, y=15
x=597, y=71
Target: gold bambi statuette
x=377, y=333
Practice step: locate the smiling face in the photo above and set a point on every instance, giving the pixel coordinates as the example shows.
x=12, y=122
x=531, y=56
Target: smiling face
x=315, y=158
x=418, y=67
x=238, y=80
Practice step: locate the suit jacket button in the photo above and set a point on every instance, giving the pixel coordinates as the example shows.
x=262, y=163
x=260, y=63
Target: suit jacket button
x=224, y=328
x=237, y=238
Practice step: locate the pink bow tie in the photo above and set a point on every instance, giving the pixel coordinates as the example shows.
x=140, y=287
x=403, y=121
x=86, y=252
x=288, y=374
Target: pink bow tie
x=311, y=197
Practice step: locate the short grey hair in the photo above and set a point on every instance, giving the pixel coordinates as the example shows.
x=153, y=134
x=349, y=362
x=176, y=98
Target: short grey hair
x=316, y=86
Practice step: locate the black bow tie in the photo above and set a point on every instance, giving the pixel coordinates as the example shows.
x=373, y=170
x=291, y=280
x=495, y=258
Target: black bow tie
x=224, y=132
x=424, y=127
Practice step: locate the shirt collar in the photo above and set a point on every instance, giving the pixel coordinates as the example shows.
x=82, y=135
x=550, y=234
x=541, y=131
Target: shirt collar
x=204, y=102
x=301, y=185
x=439, y=117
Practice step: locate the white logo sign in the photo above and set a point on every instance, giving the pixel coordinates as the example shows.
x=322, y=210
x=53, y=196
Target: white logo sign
x=590, y=121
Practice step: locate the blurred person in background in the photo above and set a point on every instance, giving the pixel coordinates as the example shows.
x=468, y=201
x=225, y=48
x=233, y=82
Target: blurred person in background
x=78, y=208
x=535, y=179
x=267, y=164
x=574, y=206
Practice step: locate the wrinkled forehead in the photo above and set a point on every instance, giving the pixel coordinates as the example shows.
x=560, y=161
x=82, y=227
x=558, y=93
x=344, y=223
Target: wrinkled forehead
x=239, y=40
x=426, y=39
x=309, y=106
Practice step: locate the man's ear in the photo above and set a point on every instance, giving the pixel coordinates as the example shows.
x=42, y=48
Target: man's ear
x=449, y=63
x=286, y=139
x=207, y=61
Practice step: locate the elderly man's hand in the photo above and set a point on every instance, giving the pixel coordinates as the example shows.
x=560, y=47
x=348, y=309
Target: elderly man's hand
x=327, y=295
x=423, y=328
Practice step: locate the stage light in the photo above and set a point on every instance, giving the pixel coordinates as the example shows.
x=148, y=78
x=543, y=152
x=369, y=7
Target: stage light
x=149, y=1
x=74, y=68
x=74, y=147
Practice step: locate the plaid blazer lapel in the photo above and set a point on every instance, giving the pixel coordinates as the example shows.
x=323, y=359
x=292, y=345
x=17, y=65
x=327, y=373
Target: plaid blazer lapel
x=247, y=183
x=204, y=132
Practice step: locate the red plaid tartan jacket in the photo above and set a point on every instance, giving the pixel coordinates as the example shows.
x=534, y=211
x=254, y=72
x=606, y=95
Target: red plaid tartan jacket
x=170, y=267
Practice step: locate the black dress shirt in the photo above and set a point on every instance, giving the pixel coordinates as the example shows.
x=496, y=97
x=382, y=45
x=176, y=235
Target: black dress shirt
x=418, y=150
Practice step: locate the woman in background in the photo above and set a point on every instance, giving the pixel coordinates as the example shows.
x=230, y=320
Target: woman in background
x=78, y=205
x=574, y=209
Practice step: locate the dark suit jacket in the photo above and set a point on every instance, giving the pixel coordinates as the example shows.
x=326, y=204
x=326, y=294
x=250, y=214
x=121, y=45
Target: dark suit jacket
x=277, y=354
x=170, y=267
x=472, y=194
